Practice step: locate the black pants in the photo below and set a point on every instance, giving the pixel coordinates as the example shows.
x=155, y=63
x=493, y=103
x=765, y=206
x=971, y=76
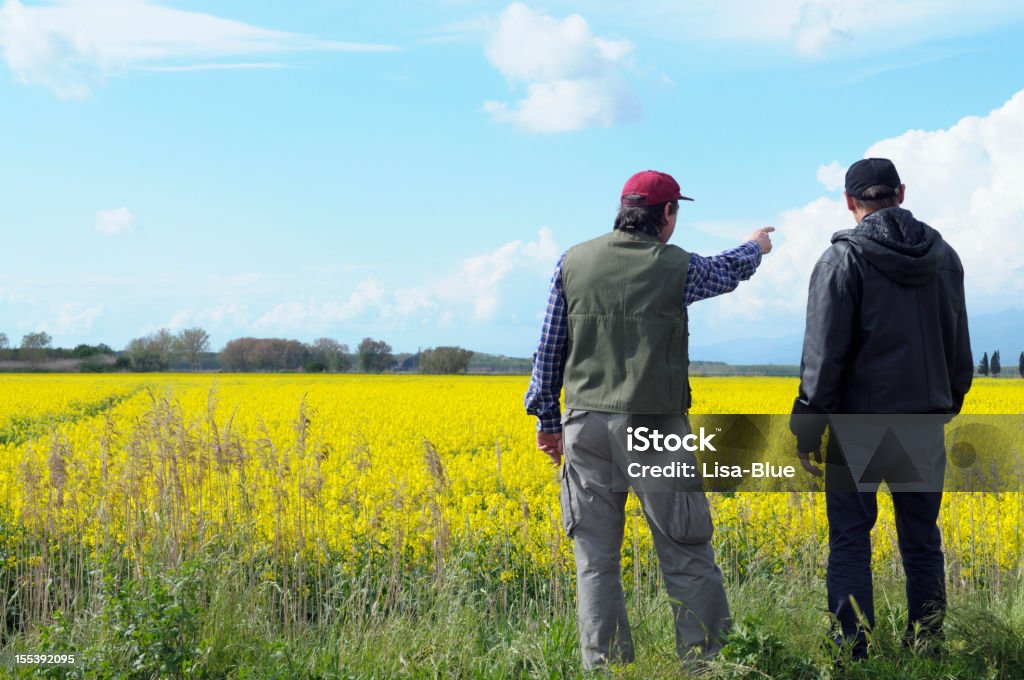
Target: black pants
x=851, y=515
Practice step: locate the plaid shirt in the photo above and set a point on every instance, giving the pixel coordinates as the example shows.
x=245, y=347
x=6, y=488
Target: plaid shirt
x=706, y=277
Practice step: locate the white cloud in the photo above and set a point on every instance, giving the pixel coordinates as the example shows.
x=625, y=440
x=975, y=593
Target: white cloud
x=71, y=46
x=365, y=300
x=478, y=281
x=114, y=222
x=285, y=315
x=573, y=78
x=230, y=312
x=965, y=181
x=833, y=176
x=232, y=315
x=76, y=319
x=368, y=296
x=814, y=28
x=473, y=292
x=180, y=320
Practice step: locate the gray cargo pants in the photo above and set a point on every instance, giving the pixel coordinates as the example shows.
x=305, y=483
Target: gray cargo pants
x=594, y=489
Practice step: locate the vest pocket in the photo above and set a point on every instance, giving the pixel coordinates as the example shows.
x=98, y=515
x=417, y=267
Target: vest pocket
x=678, y=363
x=568, y=501
x=691, y=518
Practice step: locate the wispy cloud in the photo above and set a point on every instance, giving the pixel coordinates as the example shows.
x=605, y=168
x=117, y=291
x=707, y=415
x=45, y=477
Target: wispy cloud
x=76, y=319
x=368, y=299
x=211, y=67
x=573, y=79
x=231, y=313
x=71, y=46
x=813, y=29
x=467, y=30
x=114, y=222
x=816, y=29
x=474, y=292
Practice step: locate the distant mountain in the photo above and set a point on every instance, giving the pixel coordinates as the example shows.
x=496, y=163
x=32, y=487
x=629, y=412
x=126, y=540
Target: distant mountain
x=999, y=330
x=782, y=350
x=1003, y=331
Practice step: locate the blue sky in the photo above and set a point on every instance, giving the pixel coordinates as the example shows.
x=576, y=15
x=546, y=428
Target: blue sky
x=411, y=171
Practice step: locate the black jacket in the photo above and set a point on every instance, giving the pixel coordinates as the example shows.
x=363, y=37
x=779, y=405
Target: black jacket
x=886, y=326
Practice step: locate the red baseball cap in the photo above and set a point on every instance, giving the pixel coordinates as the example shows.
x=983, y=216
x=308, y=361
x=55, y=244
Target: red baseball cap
x=651, y=187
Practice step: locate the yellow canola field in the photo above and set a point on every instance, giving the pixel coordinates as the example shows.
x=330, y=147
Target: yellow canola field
x=360, y=472
x=36, y=398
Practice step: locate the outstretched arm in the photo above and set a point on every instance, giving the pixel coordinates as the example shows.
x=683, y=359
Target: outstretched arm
x=708, y=277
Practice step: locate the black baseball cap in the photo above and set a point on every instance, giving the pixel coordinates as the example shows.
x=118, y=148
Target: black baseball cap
x=872, y=172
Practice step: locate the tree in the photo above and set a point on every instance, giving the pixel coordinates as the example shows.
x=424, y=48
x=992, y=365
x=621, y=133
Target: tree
x=84, y=351
x=4, y=342
x=234, y=355
x=263, y=354
x=374, y=356
x=1020, y=366
x=983, y=366
x=996, y=365
x=332, y=354
x=154, y=352
x=35, y=347
x=190, y=343
x=445, y=360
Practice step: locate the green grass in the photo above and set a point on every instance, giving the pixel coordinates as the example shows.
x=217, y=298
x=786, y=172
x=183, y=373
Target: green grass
x=206, y=618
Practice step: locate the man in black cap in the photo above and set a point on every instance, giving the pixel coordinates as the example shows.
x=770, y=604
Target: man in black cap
x=886, y=334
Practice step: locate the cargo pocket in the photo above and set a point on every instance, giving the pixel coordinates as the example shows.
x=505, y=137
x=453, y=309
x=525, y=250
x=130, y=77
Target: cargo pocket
x=571, y=415
x=691, y=518
x=567, y=499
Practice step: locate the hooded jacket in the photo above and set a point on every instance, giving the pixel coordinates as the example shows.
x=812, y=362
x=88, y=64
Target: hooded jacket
x=886, y=326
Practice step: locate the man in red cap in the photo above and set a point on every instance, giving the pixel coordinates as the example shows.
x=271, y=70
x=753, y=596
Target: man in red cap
x=615, y=337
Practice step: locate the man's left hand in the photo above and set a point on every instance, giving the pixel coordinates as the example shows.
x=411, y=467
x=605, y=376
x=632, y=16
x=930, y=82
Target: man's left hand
x=806, y=463
x=551, y=444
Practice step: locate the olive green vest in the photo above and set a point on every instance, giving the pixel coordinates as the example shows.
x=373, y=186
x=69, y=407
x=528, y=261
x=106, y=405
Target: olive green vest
x=627, y=345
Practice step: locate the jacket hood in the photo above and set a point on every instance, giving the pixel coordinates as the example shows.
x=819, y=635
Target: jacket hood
x=902, y=247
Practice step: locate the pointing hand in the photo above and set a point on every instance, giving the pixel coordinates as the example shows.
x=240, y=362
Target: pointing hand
x=762, y=239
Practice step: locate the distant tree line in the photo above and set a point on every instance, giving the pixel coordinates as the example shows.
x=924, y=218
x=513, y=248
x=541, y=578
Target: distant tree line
x=189, y=349
x=37, y=348
x=994, y=366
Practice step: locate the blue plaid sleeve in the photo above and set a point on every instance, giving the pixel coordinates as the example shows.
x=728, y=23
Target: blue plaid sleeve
x=707, y=277
x=549, y=360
